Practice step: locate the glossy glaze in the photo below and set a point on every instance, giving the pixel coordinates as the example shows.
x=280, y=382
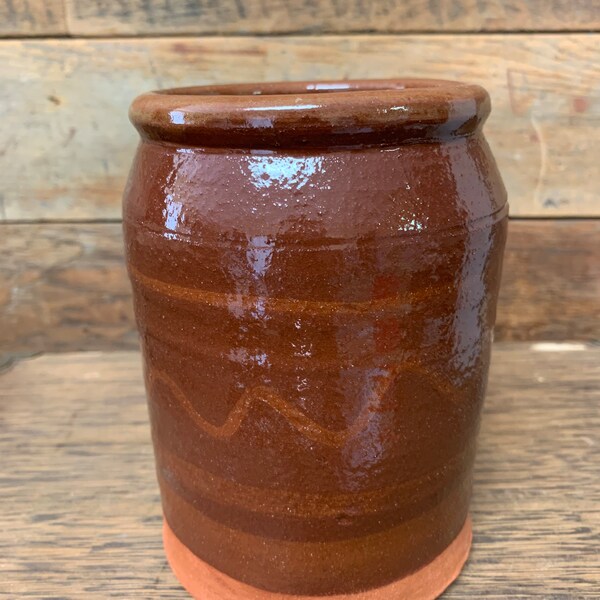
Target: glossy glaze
x=315, y=279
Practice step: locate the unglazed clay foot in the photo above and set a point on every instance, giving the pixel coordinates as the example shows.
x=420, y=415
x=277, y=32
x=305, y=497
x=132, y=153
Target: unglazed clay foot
x=204, y=582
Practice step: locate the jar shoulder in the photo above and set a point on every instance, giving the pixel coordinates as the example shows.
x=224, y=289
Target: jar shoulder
x=341, y=194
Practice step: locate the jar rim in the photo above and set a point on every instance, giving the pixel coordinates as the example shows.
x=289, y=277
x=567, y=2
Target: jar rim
x=311, y=113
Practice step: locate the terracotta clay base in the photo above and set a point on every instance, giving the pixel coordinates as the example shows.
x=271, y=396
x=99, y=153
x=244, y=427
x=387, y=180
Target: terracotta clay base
x=204, y=582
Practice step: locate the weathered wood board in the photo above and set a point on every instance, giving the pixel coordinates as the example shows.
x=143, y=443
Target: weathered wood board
x=64, y=286
x=144, y=17
x=66, y=144
x=22, y=18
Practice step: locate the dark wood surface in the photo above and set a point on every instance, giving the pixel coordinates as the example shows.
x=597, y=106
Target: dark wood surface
x=66, y=144
x=64, y=286
x=80, y=513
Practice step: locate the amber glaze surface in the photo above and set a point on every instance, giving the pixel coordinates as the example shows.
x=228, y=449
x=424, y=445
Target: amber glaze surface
x=315, y=270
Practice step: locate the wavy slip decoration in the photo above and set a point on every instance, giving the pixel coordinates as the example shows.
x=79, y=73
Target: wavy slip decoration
x=294, y=416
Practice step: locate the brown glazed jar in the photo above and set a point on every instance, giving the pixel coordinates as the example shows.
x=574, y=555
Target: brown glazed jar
x=315, y=270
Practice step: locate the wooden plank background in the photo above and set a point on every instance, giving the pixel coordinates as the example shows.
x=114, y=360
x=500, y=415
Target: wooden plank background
x=66, y=144
x=192, y=17
x=19, y=18
x=64, y=286
x=135, y=17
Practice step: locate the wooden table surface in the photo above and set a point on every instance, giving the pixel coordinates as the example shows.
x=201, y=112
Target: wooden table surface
x=79, y=506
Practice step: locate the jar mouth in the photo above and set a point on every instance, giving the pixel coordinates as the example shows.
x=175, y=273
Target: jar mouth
x=311, y=113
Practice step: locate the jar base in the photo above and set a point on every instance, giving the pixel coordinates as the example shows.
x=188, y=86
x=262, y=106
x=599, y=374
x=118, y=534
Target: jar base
x=204, y=582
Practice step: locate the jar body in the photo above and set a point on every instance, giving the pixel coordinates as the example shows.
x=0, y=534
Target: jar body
x=316, y=328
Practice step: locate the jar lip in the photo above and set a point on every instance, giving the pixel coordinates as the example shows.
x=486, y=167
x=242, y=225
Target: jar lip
x=311, y=113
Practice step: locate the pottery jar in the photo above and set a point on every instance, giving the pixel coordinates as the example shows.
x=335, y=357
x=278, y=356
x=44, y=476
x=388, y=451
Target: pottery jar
x=315, y=269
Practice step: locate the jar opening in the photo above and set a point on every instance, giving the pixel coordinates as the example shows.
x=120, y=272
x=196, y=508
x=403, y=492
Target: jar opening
x=305, y=114
x=283, y=88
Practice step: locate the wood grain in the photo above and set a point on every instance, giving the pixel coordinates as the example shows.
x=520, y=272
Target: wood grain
x=80, y=512
x=143, y=17
x=66, y=144
x=550, y=281
x=64, y=286
x=32, y=18
x=22, y=18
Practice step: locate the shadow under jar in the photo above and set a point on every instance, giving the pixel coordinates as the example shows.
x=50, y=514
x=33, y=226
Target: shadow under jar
x=315, y=270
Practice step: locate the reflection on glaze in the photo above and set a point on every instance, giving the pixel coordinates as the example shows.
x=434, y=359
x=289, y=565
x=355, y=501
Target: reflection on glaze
x=173, y=212
x=410, y=224
x=259, y=255
x=286, y=172
x=177, y=117
x=318, y=87
x=283, y=107
x=243, y=357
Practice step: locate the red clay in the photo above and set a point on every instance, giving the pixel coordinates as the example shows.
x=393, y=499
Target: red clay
x=204, y=582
